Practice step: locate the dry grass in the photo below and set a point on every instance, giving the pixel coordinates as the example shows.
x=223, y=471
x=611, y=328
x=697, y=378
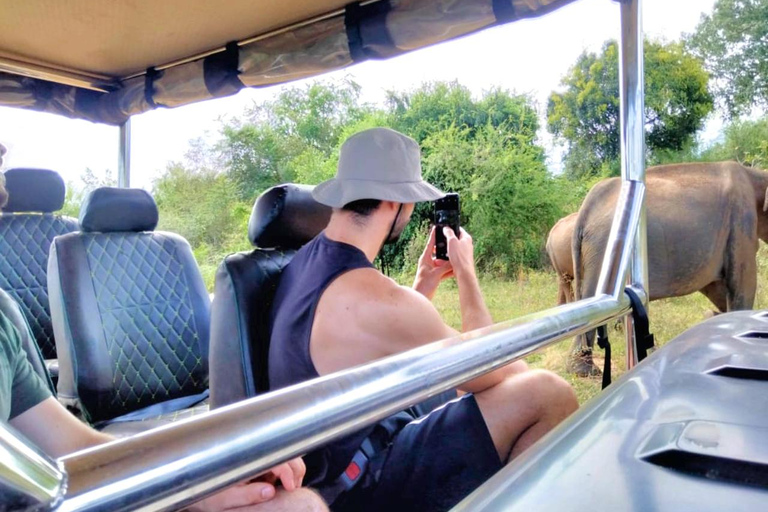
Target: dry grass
x=536, y=291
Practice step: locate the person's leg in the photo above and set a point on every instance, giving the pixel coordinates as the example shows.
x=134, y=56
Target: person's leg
x=522, y=408
x=300, y=500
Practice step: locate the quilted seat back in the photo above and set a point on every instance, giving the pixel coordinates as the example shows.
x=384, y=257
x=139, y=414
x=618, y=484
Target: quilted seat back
x=283, y=219
x=27, y=228
x=131, y=312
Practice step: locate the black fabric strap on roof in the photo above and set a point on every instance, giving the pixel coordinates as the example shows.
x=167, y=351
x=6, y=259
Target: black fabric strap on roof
x=221, y=71
x=367, y=33
x=149, y=86
x=504, y=11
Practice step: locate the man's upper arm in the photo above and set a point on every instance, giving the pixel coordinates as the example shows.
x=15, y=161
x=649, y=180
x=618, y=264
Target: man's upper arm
x=27, y=388
x=409, y=320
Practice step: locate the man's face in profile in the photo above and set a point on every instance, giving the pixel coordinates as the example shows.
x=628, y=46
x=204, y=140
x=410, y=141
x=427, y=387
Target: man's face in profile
x=2, y=154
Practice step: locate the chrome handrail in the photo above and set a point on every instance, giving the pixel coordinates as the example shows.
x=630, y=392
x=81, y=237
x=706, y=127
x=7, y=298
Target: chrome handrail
x=174, y=465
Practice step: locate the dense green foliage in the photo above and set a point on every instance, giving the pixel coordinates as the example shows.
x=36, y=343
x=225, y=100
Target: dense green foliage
x=484, y=148
x=586, y=114
x=733, y=42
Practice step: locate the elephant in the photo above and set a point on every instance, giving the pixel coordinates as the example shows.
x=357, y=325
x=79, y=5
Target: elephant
x=559, y=251
x=704, y=222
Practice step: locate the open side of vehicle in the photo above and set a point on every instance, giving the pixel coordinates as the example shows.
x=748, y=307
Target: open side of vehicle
x=659, y=428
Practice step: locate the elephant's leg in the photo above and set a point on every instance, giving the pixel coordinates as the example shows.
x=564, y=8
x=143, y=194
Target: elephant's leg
x=562, y=295
x=741, y=279
x=717, y=293
x=580, y=360
x=568, y=289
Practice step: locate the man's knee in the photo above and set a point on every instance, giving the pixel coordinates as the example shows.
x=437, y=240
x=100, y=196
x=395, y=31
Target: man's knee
x=544, y=391
x=300, y=500
x=310, y=501
x=556, y=394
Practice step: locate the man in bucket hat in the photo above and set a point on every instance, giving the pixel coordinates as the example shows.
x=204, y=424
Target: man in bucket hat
x=334, y=310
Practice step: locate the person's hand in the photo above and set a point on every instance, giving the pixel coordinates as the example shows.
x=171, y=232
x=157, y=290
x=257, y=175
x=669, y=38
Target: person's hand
x=461, y=252
x=262, y=489
x=431, y=271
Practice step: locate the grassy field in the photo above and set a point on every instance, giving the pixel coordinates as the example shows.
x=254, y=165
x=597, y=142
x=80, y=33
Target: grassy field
x=536, y=291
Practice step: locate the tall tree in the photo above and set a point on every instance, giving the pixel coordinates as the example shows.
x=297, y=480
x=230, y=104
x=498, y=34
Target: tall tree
x=585, y=115
x=273, y=138
x=733, y=41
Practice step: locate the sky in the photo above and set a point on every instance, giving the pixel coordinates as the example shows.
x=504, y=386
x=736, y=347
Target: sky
x=529, y=56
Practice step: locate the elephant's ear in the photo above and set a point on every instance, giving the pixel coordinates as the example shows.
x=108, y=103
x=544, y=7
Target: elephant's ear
x=765, y=203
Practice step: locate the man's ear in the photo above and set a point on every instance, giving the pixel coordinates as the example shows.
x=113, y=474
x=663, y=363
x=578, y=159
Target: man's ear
x=390, y=205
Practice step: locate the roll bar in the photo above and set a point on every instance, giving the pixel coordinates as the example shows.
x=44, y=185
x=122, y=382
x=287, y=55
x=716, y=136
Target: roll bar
x=172, y=466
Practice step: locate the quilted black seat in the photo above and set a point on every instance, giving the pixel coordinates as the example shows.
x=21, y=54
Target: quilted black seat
x=283, y=219
x=27, y=228
x=130, y=312
x=10, y=308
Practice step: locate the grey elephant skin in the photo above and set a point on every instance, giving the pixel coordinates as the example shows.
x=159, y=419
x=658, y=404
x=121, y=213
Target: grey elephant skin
x=704, y=224
x=559, y=252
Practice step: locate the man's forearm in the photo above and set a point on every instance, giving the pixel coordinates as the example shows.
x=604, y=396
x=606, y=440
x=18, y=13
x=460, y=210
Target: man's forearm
x=474, y=312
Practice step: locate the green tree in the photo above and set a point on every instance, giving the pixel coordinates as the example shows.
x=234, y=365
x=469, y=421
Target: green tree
x=585, y=116
x=733, y=41
x=279, y=138
x=436, y=106
x=744, y=141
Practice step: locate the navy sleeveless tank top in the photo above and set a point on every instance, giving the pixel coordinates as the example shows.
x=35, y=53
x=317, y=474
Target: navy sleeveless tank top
x=302, y=283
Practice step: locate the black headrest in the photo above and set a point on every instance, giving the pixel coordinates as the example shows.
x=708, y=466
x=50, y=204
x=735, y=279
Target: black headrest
x=108, y=209
x=34, y=190
x=286, y=217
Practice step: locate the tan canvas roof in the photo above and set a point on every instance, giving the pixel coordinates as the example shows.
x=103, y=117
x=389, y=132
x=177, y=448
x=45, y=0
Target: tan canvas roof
x=121, y=38
x=108, y=60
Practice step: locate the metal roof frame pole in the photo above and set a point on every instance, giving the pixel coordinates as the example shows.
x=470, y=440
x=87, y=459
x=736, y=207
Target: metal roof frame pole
x=632, y=138
x=124, y=158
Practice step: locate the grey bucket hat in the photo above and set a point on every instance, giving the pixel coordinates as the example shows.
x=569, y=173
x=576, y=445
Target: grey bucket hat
x=378, y=163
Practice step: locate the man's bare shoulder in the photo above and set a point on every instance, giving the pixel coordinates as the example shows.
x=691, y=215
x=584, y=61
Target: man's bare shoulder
x=366, y=309
x=369, y=292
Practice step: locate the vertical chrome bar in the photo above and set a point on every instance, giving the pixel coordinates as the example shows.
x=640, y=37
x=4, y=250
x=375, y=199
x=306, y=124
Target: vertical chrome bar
x=124, y=159
x=27, y=477
x=619, y=250
x=632, y=137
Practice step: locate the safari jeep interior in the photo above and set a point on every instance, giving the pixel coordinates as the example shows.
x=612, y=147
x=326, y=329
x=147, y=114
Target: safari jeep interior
x=115, y=316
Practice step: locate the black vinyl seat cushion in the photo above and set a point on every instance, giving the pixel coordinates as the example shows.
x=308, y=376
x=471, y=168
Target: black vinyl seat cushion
x=244, y=290
x=27, y=228
x=133, y=325
x=25, y=240
x=130, y=311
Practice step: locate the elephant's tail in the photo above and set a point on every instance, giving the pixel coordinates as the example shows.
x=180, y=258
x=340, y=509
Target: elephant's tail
x=578, y=268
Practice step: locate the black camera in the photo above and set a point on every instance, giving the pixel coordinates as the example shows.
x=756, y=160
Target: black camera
x=446, y=214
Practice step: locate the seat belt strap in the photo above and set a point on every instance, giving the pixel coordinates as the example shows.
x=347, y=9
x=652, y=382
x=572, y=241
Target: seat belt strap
x=605, y=344
x=643, y=337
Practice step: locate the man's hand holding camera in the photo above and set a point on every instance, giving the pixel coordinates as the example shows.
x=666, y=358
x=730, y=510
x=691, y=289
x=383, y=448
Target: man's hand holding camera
x=431, y=271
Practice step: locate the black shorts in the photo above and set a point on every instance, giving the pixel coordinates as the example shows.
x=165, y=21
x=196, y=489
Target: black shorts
x=433, y=463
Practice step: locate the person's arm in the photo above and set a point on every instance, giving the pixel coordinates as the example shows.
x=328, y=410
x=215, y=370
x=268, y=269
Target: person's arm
x=430, y=271
x=49, y=416
x=474, y=312
x=72, y=435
